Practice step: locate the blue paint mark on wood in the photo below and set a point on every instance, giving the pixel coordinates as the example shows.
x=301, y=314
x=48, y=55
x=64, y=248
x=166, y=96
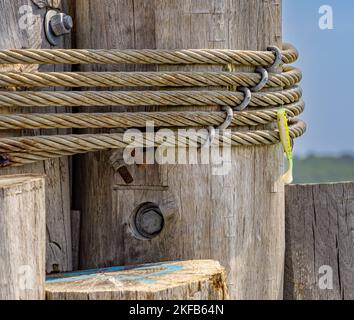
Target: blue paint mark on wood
x=112, y=272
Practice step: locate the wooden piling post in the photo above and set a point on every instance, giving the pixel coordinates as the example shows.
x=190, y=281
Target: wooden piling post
x=238, y=218
x=22, y=237
x=22, y=26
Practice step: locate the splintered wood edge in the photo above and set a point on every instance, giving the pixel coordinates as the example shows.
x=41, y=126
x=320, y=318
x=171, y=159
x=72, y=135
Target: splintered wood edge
x=19, y=179
x=15, y=185
x=162, y=276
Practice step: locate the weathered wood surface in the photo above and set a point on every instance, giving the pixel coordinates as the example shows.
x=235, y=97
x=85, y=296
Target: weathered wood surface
x=237, y=219
x=75, y=237
x=22, y=237
x=190, y=280
x=319, y=235
x=22, y=27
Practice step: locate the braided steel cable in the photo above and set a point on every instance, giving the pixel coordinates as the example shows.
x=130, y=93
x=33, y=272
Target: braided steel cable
x=288, y=78
x=263, y=105
x=23, y=150
x=146, y=98
x=166, y=57
x=139, y=119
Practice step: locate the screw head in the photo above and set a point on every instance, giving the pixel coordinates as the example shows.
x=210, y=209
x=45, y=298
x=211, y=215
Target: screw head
x=61, y=24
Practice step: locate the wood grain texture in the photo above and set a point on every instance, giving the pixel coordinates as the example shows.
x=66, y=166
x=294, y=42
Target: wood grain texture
x=189, y=280
x=319, y=233
x=238, y=218
x=22, y=27
x=22, y=237
x=75, y=237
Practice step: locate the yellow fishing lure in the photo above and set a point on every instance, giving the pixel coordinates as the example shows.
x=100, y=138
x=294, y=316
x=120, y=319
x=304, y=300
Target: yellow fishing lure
x=286, y=142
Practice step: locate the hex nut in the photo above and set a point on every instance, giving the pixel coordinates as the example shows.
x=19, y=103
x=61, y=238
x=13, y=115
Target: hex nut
x=148, y=221
x=61, y=24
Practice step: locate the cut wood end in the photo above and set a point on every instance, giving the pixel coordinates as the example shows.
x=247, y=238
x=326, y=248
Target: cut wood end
x=153, y=281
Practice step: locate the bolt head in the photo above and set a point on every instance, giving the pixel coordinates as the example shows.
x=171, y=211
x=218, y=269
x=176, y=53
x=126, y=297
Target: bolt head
x=61, y=24
x=149, y=221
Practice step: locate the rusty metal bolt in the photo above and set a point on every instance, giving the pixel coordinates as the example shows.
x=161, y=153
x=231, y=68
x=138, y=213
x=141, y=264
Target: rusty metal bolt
x=61, y=24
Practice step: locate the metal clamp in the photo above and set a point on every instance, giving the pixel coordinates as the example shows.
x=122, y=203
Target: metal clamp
x=246, y=100
x=265, y=77
x=278, y=58
x=212, y=131
x=229, y=118
x=210, y=139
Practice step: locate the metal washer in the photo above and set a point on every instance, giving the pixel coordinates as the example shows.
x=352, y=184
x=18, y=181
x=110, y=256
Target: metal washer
x=51, y=37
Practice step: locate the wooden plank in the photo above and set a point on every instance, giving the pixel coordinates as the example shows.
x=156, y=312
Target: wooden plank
x=237, y=219
x=22, y=237
x=319, y=241
x=22, y=27
x=189, y=280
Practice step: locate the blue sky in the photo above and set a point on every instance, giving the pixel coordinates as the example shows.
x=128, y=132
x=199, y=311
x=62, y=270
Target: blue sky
x=328, y=82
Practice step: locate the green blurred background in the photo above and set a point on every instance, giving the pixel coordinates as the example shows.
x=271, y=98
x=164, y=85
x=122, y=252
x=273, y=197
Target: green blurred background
x=322, y=169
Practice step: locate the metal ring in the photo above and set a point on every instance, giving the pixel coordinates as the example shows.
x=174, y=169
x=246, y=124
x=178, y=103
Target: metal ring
x=278, y=58
x=265, y=77
x=210, y=138
x=247, y=99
